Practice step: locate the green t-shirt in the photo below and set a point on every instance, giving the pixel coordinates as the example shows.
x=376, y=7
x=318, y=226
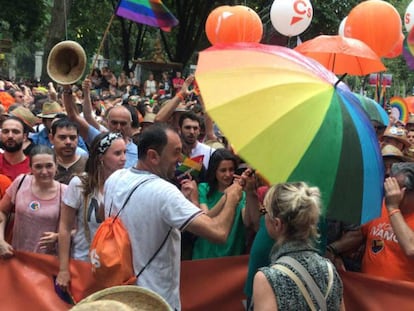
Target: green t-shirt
x=236, y=241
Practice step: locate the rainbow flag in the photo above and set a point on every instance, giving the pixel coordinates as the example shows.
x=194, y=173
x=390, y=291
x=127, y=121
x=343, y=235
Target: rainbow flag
x=190, y=166
x=149, y=12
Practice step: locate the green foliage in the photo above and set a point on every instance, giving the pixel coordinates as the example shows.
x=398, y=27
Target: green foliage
x=22, y=19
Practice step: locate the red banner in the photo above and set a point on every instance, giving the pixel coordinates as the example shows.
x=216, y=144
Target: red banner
x=214, y=284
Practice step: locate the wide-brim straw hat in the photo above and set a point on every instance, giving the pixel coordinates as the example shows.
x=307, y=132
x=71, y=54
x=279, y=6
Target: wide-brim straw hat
x=24, y=114
x=398, y=134
x=390, y=151
x=149, y=117
x=102, y=305
x=50, y=110
x=136, y=297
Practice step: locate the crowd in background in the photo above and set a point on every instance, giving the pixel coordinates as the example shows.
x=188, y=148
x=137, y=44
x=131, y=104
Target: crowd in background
x=60, y=144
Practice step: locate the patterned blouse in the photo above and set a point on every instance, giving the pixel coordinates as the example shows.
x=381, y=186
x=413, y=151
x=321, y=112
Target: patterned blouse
x=288, y=295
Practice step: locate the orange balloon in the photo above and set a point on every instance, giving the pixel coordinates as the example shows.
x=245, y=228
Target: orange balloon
x=410, y=103
x=397, y=49
x=375, y=22
x=231, y=24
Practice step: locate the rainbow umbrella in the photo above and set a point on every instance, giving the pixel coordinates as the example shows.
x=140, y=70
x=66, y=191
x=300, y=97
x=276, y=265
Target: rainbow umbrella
x=291, y=119
x=374, y=110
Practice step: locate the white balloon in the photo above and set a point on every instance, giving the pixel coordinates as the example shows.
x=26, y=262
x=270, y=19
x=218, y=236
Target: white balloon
x=409, y=16
x=291, y=17
x=341, y=30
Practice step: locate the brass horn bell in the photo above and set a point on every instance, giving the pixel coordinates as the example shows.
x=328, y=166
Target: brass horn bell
x=66, y=62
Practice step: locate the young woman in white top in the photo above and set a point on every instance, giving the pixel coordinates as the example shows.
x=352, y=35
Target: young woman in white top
x=83, y=202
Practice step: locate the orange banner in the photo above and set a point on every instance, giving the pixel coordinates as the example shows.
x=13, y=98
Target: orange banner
x=213, y=284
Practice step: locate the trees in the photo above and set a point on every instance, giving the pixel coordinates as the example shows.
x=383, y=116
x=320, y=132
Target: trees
x=43, y=25
x=21, y=20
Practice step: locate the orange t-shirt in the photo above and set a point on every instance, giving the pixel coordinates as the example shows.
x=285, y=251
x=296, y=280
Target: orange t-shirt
x=383, y=255
x=5, y=182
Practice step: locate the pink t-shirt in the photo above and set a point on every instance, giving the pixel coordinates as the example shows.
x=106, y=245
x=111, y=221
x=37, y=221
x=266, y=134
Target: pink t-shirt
x=33, y=216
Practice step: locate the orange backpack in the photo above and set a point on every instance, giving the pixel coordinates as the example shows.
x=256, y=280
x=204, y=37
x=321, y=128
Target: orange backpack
x=110, y=251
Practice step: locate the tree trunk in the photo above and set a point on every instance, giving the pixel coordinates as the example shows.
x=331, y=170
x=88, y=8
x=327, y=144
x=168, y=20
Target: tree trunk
x=57, y=30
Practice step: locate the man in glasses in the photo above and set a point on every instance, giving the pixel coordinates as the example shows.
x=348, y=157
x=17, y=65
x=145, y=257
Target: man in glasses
x=119, y=120
x=18, y=98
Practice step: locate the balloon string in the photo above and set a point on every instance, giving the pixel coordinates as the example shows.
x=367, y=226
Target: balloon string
x=101, y=44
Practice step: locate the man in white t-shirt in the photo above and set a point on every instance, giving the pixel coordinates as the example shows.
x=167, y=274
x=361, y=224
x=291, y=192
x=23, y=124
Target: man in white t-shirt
x=189, y=124
x=157, y=212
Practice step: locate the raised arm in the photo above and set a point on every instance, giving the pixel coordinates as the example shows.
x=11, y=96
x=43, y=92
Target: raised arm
x=72, y=111
x=210, y=135
x=87, y=105
x=393, y=198
x=167, y=110
x=52, y=92
x=251, y=212
x=216, y=229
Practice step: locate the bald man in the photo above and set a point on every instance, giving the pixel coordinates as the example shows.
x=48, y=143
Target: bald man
x=119, y=120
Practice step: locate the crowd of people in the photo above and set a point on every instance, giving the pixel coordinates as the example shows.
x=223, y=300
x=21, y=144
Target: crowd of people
x=71, y=154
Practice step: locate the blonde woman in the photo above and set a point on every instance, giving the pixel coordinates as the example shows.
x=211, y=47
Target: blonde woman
x=292, y=212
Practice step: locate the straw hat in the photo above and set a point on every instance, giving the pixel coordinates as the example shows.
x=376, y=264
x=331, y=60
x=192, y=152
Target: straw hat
x=149, y=118
x=181, y=108
x=50, y=110
x=398, y=134
x=215, y=144
x=389, y=151
x=136, y=297
x=24, y=114
x=102, y=305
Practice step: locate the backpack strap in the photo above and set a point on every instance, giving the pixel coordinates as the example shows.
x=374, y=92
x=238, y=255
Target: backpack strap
x=298, y=283
x=310, y=282
x=9, y=214
x=18, y=188
x=155, y=254
x=86, y=199
x=129, y=196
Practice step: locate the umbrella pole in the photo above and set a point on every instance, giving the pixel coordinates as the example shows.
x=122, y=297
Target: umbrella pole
x=340, y=79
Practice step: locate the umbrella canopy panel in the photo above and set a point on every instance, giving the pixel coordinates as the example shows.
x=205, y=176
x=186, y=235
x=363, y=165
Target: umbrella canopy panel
x=283, y=115
x=342, y=55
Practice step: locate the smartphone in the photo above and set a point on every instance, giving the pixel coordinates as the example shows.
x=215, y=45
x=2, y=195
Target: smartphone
x=66, y=296
x=240, y=170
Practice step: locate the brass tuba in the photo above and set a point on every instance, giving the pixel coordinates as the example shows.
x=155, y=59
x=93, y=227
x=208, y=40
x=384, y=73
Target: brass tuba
x=66, y=62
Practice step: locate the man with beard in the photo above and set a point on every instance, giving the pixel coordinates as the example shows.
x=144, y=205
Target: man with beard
x=64, y=137
x=13, y=161
x=189, y=124
x=51, y=111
